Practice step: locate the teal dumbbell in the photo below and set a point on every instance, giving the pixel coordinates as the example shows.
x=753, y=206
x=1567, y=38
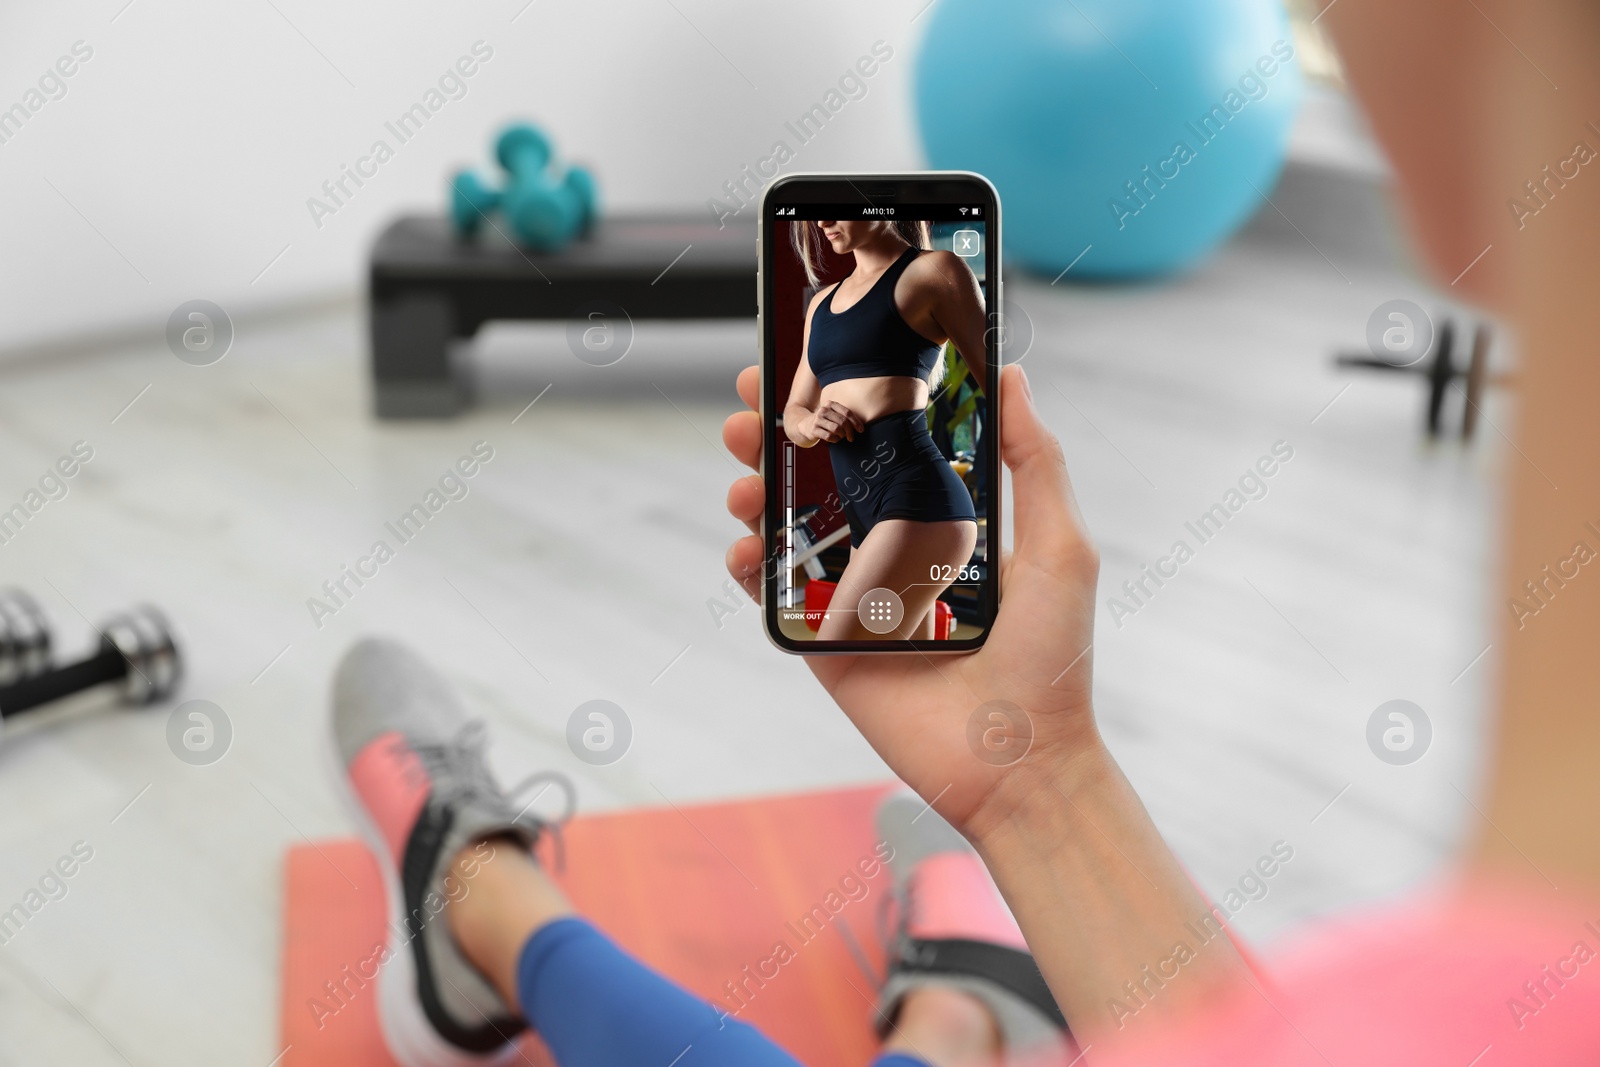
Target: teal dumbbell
x=523, y=150
x=583, y=186
x=545, y=206
x=544, y=211
x=470, y=202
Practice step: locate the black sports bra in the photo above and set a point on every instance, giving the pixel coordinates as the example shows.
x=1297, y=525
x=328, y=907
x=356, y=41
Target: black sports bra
x=870, y=338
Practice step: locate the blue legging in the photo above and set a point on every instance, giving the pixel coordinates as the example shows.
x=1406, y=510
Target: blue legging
x=596, y=1006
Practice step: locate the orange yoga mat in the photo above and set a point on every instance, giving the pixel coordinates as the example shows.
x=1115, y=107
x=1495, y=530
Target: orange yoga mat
x=743, y=903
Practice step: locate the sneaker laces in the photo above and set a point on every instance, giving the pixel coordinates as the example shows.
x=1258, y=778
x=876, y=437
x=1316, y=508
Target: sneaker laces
x=894, y=923
x=890, y=921
x=460, y=772
x=891, y=934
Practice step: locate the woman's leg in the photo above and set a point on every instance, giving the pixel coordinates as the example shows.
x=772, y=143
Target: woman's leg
x=595, y=1005
x=592, y=1003
x=482, y=942
x=909, y=558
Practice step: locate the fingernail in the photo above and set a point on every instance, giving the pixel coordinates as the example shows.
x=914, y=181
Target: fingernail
x=1027, y=387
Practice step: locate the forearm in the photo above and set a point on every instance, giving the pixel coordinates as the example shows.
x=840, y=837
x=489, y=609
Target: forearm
x=796, y=416
x=1120, y=933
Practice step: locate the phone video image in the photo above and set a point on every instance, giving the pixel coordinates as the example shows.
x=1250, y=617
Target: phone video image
x=883, y=442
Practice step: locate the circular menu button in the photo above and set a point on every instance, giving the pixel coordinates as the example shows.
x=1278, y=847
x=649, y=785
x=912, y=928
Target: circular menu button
x=881, y=611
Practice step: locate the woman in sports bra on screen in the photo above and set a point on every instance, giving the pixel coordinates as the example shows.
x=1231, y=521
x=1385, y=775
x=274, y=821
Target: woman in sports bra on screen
x=872, y=352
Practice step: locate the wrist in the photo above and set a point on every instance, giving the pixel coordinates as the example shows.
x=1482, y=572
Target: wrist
x=797, y=428
x=1100, y=896
x=1025, y=803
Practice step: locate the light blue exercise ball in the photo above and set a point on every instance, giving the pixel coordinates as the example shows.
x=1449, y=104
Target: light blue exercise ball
x=1145, y=131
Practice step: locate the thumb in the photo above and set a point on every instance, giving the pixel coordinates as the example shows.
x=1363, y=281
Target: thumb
x=1046, y=515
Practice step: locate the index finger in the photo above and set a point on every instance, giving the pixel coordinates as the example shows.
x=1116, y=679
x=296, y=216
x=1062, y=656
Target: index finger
x=749, y=385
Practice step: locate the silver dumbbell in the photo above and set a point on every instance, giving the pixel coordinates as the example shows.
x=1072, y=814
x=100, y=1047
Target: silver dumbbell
x=136, y=654
x=24, y=637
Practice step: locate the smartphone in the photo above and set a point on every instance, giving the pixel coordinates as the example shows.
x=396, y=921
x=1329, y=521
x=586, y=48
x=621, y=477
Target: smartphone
x=879, y=298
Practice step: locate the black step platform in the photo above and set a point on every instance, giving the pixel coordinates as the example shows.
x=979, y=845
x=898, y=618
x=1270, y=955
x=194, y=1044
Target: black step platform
x=429, y=289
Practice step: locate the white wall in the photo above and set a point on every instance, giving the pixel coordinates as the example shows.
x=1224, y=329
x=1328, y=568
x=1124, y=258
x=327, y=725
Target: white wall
x=184, y=150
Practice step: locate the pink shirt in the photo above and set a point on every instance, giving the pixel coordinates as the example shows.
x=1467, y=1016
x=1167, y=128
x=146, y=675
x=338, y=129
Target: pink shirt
x=1459, y=976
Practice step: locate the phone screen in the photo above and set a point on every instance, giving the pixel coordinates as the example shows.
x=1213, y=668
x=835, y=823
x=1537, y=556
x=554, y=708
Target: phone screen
x=880, y=369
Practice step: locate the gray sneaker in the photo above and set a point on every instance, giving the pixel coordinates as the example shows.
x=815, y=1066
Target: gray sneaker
x=415, y=767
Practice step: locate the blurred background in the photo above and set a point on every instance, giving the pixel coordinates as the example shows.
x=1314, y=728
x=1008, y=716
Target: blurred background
x=1176, y=330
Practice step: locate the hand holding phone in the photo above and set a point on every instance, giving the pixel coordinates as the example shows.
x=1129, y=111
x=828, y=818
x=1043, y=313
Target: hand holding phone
x=956, y=729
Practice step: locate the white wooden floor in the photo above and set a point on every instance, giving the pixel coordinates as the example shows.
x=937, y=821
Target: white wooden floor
x=581, y=564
